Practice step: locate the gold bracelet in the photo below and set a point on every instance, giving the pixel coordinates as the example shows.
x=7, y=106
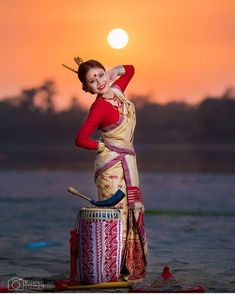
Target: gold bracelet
x=121, y=70
x=101, y=146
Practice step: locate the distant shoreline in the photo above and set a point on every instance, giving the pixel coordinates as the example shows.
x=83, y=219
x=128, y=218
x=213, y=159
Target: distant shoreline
x=213, y=158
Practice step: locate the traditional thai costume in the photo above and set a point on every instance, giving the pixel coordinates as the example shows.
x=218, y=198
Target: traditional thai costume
x=116, y=168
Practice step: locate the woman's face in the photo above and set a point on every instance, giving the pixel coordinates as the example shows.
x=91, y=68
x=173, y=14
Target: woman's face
x=97, y=81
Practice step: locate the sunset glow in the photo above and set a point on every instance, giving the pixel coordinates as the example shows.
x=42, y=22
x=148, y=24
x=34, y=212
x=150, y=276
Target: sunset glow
x=181, y=50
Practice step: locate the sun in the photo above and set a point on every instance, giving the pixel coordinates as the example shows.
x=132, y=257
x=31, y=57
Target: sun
x=117, y=38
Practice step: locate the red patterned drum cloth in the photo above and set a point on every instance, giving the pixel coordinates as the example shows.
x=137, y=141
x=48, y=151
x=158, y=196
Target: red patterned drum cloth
x=100, y=245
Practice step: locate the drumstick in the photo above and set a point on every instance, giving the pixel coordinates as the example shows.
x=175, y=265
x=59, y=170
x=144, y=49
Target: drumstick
x=74, y=191
x=113, y=200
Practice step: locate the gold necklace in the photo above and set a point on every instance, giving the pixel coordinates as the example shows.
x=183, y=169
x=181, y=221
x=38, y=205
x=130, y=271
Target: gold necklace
x=113, y=98
x=128, y=114
x=119, y=106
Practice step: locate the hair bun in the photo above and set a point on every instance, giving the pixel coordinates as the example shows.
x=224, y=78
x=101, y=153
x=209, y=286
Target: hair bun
x=78, y=60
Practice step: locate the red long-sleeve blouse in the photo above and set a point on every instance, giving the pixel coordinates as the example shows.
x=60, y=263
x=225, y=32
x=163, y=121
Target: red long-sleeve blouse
x=101, y=114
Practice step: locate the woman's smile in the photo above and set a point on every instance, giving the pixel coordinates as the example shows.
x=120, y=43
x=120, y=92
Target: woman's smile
x=102, y=87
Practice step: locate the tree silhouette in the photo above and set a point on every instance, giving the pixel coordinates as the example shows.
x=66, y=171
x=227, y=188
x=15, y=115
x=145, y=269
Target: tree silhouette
x=34, y=134
x=24, y=120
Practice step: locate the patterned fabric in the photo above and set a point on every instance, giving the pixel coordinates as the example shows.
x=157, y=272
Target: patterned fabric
x=134, y=255
x=116, y=168
x=99, y=252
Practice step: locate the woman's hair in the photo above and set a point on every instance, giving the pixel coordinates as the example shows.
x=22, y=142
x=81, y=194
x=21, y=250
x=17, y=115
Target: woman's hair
x=84, y=67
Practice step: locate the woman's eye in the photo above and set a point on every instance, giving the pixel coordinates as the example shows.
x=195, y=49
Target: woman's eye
x=101, y=75
x=92, y=82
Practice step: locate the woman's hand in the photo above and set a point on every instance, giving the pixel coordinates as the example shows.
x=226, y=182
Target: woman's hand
x=113, y=74
x=101, y=146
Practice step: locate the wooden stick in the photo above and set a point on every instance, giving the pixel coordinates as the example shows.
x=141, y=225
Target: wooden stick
x=70, y=68
x=102, y=285
x=75, y=192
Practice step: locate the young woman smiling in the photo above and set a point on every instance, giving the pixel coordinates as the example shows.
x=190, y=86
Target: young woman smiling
x=115, y=165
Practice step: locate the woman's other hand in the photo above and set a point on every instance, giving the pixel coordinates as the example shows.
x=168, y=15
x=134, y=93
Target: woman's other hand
x=113, y=74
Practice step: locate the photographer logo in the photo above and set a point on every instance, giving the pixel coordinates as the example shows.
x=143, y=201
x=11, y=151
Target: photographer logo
x=19, y=284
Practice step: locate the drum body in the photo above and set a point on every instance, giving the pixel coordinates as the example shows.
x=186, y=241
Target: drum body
x=99, y=245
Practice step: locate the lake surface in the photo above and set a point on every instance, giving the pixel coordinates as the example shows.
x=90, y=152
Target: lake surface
x=190, y=224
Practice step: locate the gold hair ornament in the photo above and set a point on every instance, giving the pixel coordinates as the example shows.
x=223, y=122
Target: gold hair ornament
x=78, y=60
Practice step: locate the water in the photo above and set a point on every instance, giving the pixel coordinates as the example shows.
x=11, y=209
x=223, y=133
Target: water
x=190, y=223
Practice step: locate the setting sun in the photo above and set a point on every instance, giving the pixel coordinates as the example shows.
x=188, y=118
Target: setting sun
x=117, y=38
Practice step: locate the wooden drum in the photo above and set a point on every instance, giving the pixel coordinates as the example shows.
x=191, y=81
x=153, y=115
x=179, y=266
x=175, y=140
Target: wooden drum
x=99, y=245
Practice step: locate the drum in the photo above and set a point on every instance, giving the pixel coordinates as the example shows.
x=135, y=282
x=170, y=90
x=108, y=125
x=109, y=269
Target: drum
x=99, y=245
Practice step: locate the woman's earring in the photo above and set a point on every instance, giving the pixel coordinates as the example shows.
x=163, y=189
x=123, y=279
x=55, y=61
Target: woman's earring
x=84, y=88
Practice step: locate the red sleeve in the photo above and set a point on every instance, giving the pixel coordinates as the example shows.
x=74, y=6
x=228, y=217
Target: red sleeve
x=124, y=80
x=88, y=128
x=101, y=114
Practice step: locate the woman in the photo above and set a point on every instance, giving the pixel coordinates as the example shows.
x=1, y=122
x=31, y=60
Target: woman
x=115, y=166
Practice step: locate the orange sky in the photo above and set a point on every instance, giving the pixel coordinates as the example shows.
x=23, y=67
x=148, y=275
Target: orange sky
x=181, y=49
